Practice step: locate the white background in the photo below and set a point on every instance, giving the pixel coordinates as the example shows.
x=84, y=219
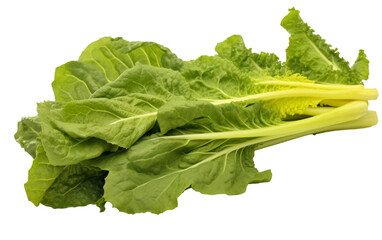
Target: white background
x=324, y=187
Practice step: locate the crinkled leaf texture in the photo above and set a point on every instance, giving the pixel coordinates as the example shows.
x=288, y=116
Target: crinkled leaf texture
x=93, y=126
x=257, y=64
x=118, y=114
x=57, y=186
x=213, y=78
x=63, y=186
x=219, y=80
x=156, y=170
x=28, y=130
x=149, y=80
x=76, y=80
x=63, y=149
x=311, y=56
x=104, y=61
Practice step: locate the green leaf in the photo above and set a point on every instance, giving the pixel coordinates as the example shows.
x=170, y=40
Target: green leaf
x=311, y=56
x=118, y=115
x=178, y=113
x=84, y=129
x=211, y=154
x=220, y=81
x=77, y=185
x=156, y=170
x=216, y=78
x=40, y=176
x=104, y=61
x=156, y=190
x=63, y=186
x=112, y=56
x=76, y=80
x=101, y=204
x=198, y=116
x=28, y=130
x=62, y=149
x=234, y=49
x=361, y=66
x=269, y=63
x=149, y=80
x=258, y=64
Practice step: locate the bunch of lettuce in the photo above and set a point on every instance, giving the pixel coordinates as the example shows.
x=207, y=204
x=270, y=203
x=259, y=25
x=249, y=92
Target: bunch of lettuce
x=136, y=126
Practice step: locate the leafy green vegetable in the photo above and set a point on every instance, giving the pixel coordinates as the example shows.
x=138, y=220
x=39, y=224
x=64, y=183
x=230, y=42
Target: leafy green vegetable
x=136, y=126
x=122, y=111
x=235, y=75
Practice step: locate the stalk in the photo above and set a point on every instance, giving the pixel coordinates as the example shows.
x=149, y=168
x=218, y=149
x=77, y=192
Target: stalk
x=351, y=94
x=346, y=113
x=368, y=120
x=335, y=102
x=309, y=85
x=313, y=111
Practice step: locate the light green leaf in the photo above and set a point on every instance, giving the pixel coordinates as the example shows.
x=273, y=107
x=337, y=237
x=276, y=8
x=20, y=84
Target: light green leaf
x=155, y=171
x=216, y=78
x=118, y=114
x=112, y=56
x=40, y=176
x=149, y=80
x=217, y=170
x=211, y=154
x=84, y=129
x=75, y=81
x=198, y=116
x=361, y=66
x=258, y=64
x=234, y=49
x=28, y=130
x=311, y=56
x=104, y=61
x=63, y=186
x=62, y=149
x=220, y=81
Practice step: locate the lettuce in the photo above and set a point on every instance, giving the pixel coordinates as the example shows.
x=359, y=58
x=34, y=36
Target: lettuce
x=134, y=125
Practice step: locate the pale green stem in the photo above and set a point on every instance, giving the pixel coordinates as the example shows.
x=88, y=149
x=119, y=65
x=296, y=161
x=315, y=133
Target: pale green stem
x=313, y=111
x=336, y=102
x=351, y=94
x=368, y=120
x=309, y=85
x=348, y=112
